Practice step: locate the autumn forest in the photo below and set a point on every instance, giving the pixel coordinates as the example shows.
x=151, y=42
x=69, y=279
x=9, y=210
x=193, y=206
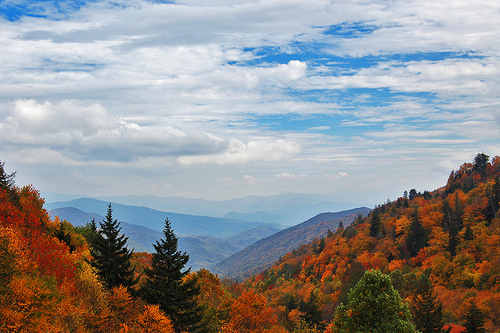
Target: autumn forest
x=426, y=262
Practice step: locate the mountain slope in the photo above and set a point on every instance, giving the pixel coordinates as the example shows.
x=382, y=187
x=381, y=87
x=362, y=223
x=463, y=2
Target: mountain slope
x=203, y=251
x=182, y=224
x=449, y=237
x=264, y=252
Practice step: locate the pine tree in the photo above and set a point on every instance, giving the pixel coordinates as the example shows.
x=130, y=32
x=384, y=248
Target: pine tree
x=110, y=256
x=312, y=313
x=417, y=235
x=474, y=319
x=7, y=184
x=164, y=284
x=375, y=224
x=427, y=310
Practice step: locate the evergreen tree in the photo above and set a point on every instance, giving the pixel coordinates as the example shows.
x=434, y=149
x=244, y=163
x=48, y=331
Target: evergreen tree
x=427, y=310
x=375, y=224
x=373, y=306
x=64, y=236
x=312, y=313
x=480, y=163
x=7, y=184
x=164, y=284
x=417, y=235
x=110, y=256
x=474, y=319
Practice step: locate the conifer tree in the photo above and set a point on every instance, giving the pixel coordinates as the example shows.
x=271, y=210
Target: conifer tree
x=417, y=235
x=312, y=313
x=166, y=287
x=7, y=184
x=427, y=310
x=474, y=319
x=375, y=224
x=110, y=255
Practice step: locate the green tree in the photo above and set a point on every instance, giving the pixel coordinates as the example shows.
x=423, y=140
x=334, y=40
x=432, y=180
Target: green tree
x=417, y=235
x=375, y=224
x=64, y=235
x=7, y=184
x=373, y=306
x=89, y=231
x=312, y=313
x=480, y=163
x=427, y=309
x=166, y=287
x=110, y=255
x=474, y=319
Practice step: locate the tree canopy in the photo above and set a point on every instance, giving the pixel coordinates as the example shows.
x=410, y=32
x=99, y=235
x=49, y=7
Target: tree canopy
x=373, y=306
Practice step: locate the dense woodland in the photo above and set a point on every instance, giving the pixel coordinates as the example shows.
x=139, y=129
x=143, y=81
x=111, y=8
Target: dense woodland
x=427, y=262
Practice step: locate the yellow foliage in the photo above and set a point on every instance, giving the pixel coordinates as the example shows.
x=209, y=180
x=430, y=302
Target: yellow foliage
x=153, y=320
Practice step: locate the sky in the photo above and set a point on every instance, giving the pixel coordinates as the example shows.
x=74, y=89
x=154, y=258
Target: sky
x=357, y=99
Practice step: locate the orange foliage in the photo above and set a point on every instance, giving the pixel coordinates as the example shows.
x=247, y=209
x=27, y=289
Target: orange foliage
x=250, y=313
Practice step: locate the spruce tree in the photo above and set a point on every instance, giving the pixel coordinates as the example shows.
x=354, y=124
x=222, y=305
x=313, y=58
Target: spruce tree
x=474, y=319
x=417, y=235
x=312, y=313
x=110, y=255
x=375, y=224
x=164, y=284
x=427, y=310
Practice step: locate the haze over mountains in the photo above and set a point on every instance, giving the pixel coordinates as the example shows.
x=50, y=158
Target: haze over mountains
x=218, y=243
x=286, y=209
x=207, y=240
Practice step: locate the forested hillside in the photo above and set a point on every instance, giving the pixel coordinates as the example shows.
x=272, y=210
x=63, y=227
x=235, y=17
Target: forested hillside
x=425, y=253
x=266, y=251
x=450, y=236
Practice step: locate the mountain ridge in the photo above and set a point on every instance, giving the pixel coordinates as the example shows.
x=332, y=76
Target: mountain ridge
x=266, y=251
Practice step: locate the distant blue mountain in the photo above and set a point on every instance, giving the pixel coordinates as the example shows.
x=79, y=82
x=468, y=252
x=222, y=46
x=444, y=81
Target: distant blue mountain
x=182, y=224
x=203, y=251
x=285, y=209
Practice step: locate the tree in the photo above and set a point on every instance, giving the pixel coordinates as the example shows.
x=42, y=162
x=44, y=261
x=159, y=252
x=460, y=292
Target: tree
x=413, y=194
x=474, y=319
x=7, y=184
x=417, y=235
x=373, y=306
x=165, y=284
x=375, y=224
x=110, y=255
x=312, y=313
x=480, y=163
x=427, y=310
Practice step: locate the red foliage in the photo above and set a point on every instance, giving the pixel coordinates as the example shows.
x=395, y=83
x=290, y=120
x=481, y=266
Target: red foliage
x=455, y=328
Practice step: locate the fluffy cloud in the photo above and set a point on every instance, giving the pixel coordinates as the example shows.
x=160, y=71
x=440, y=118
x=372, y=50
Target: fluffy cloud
x=239, y=153
x=89, y=132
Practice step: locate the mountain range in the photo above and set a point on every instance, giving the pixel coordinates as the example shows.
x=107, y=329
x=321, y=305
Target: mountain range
x=227, y=245
x=285, y=209
x=204, y=251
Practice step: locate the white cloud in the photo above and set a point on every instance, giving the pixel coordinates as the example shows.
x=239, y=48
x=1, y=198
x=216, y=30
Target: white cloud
x=240, y=153
x=172, y=88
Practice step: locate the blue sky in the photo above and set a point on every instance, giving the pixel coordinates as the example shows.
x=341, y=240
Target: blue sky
x=359, y=100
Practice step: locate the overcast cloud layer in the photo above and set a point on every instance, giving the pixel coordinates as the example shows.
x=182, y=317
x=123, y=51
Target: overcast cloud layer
x=222, y=99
